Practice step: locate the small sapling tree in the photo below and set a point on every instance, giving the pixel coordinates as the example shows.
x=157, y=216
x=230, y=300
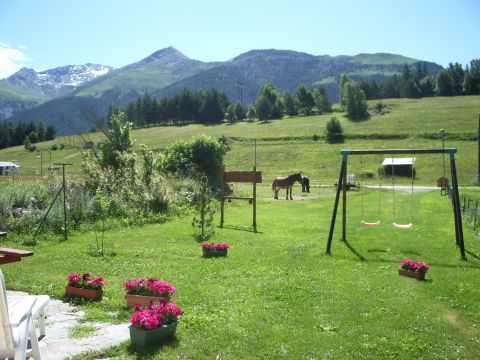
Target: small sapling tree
x=102, y=206
x=334, y=131
x=202, y=223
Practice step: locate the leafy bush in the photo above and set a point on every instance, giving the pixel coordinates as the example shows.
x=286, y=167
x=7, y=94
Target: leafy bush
x=367, y=174
x=334, y=131
x=197, y=155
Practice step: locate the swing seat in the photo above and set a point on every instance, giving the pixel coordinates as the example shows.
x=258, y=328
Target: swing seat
x=370, y=224
x=403, y=226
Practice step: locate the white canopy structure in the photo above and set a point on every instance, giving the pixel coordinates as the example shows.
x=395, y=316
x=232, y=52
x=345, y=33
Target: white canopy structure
x=8, y=168
x=398, y=161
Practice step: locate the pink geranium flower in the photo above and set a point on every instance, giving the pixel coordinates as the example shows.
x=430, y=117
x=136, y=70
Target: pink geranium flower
x=411, y=265
x=149, y=287
x=221, y=246
x=212, y=246
x=155, y=315
x=85, y=281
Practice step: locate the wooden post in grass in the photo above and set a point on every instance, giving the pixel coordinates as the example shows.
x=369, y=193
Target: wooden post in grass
x=253, y=177
x=335, y=206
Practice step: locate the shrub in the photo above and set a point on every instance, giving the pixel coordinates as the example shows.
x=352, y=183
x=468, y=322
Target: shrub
x=367, y=174
x=334, y=131
x=197, y=155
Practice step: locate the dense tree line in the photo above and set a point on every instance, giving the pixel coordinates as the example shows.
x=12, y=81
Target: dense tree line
x=204, y=106
x=212, y=107
x=416, y=82
x=270, y=104
x=24, y=133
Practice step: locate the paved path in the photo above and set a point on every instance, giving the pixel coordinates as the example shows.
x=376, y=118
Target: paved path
x=57, y=345
x=406, y=188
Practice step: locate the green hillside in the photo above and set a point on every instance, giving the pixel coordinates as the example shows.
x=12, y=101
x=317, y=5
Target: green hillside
x=383, y=59
x=160, y=69
x=277, y=294
x=14, y=98
x=167, y=72
x=288, y=145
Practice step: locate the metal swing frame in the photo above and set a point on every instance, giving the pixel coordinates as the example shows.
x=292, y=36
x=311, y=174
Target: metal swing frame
x=341, y=189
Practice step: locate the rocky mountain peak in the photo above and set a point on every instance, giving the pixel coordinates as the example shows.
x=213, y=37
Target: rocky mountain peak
x=167, y=55
x=57, y=81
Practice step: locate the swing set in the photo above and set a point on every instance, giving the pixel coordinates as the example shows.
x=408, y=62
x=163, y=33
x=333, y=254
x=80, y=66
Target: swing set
x=390, y=162
x=341, y=189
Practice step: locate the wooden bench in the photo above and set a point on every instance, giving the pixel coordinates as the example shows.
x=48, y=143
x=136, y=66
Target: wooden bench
x=8, y=255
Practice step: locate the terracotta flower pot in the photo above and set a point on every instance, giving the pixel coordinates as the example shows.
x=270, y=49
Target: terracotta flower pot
x=141, y=300
x=84, y=293
x=419, y=275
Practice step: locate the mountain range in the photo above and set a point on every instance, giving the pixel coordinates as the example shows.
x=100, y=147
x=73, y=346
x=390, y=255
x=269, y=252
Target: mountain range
x=72, y=97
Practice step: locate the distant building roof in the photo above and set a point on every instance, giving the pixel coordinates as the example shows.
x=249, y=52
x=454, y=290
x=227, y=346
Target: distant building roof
x=398, y=161
x=8, y=163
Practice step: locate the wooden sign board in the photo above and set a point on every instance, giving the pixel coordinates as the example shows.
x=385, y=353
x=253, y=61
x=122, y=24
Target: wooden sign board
x=243, y=176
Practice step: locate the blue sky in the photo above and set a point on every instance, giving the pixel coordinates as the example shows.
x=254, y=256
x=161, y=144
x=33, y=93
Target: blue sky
x=44, y=34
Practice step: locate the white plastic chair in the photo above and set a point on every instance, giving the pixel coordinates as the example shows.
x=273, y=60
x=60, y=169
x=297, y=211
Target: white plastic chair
x=17, y=328
x=38, y=310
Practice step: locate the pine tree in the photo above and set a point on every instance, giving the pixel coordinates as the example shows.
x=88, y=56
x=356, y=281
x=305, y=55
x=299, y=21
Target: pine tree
x=202, y=223
x=41, y=132
x=230, y=114
x=251, y=112
x=342, y=95
x=356, y=101
x=290, y=104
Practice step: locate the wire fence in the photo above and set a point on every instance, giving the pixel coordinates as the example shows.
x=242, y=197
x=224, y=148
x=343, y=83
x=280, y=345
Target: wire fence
x=470, y=211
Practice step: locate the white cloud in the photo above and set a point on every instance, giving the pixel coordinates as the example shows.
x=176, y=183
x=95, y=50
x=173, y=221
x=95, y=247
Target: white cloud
x=11, y=59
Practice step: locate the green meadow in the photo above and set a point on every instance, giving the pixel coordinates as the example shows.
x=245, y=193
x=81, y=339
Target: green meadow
x=278, y=294
x=288, y=145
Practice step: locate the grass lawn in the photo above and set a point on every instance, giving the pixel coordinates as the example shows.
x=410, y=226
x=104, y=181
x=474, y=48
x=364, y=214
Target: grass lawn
x=277, y=294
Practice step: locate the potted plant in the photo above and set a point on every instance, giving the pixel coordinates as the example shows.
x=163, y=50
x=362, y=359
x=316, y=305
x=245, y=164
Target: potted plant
x=211, y=249
x=145, y=291
x=85, y=286
x=414, y=269
x=151, y=325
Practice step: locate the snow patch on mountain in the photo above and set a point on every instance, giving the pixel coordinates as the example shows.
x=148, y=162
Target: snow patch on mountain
x=59, y=80
x=72, y=75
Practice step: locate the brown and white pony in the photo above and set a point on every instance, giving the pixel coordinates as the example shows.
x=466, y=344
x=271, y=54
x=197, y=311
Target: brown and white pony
x=285, y=183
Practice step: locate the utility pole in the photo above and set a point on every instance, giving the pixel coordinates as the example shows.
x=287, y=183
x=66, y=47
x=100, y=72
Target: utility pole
x=478, y=140
x=40, y=155
x=442, y=136
x=240, y=87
